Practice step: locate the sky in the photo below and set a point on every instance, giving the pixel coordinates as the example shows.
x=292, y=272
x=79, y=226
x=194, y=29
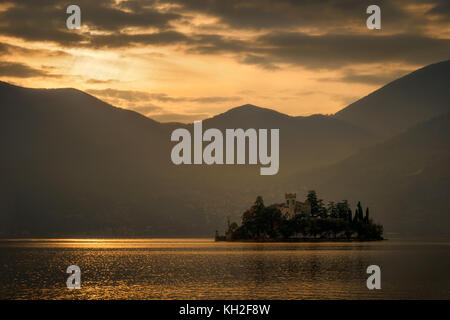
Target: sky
x=189, y=60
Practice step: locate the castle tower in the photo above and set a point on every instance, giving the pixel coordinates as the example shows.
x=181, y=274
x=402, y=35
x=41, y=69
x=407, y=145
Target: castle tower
x=290, y=202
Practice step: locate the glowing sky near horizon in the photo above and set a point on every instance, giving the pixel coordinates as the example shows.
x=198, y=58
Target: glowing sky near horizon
x=188, y=60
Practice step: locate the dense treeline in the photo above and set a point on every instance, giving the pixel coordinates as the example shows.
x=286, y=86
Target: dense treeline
x=335, y=221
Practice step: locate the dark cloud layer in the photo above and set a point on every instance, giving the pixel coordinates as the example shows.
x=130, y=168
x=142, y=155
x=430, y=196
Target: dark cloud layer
x=334, y=51
x=48, y=17
x=282, y=14
x=441, y=10
x=343, y=39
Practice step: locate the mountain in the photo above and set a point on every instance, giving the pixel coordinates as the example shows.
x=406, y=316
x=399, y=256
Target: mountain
x=418, y=96
x=72, y=162
x=74, y=165
x=405, y=180
x=324, y=140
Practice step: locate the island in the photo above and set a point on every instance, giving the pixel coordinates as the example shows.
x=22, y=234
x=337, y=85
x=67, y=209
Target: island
x=304, y=221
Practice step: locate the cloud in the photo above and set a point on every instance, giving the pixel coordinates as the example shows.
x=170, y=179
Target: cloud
x=268, y=14
x=328, y=51
x=375, y=78
x=215, y=99
x=119, y=39
x=179, y=117
x=333, y=32
x=216, y=44
x=441, y=10
x=46, y=21
x=10, y=49
x=20, y=70
x=98, y=81
x=128, y=95
x=4, y=48
x=37, y=21
x=329, y=15
x=261, y=61
x=333, y=51
x=147, y=109
x=139, y=96
x=142, y=102
x=272, y=50
x=107, y=15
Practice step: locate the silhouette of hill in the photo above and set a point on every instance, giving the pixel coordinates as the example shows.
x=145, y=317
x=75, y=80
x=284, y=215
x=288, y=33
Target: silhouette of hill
x=71, y=162
x=324, y=139
x=418, y=96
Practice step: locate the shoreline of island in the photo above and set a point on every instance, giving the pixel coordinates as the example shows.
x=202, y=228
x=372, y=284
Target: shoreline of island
x=303, y=221
x=299, y=240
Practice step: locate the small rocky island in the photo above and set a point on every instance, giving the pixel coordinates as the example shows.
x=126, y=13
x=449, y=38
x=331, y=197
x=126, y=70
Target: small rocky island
x=305, y=221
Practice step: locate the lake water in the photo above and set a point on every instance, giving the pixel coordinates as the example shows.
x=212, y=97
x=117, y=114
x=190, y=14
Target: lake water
x=203, y=269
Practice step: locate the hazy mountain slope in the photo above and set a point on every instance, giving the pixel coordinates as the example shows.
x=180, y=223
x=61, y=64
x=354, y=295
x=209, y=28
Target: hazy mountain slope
x=305, y=142
x=324, y=139
x=72, y=163
x=404, y=102
x=405, y=181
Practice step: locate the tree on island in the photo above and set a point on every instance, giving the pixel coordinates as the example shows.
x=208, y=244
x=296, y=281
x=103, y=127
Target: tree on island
x=349, y=216
x=332, y=209
x=259, y=222
x=317, y=206
x=335, y=222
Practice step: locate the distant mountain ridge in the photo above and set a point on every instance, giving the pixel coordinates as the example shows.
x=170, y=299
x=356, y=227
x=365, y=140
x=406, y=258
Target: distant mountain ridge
x=418, y=96
x=74, y=165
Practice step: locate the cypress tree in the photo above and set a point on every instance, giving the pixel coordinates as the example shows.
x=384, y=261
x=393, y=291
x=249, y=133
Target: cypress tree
x=367, y=215
x=314, y=202
x=360, y=212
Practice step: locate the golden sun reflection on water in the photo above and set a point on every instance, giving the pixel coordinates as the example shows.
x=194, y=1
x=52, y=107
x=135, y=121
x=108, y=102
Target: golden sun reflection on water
x=204, y=269
x=106, y=243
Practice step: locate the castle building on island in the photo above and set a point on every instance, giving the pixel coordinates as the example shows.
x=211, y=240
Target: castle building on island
x=292, y=207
